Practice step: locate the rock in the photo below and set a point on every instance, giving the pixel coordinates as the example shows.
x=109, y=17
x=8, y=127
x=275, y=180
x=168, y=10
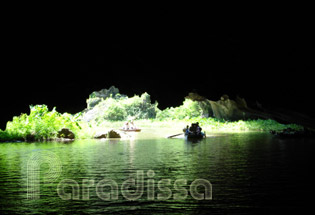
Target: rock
x=91, y=114
x=241, y=103
x=195, y=97
x=225, y=108
x=225, y=97
x=100, y=135
x=206, y=108
x=113, y=134
x=92, y=102
x=65, y=133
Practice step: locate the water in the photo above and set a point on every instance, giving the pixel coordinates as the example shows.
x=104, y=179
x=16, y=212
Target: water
x=250, y=173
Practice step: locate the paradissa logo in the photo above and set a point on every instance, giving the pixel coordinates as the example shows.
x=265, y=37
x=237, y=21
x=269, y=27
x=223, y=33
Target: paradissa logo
x=131, y=189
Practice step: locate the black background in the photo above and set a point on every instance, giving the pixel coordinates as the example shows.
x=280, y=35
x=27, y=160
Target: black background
x=265, y=56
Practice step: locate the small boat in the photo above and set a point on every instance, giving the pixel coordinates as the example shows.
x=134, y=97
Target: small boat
x=131, y=130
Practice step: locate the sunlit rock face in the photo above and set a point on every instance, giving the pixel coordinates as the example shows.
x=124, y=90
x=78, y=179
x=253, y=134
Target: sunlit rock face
x=233, y=110
x=195, y=97
x=90, y=114
x=225, y=108
x=229, y=109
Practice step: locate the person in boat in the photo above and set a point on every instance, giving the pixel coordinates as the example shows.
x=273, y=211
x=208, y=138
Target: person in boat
x=186, y=130
x=198, y=128
x=126, y=126
x=132, y=125
x=194, y=129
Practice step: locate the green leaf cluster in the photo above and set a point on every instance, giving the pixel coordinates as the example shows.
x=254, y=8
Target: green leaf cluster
x=39, y=124
x=189, y=109
x=123, y=108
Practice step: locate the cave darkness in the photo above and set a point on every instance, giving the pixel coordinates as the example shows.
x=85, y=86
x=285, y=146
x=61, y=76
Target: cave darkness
x=269, y=61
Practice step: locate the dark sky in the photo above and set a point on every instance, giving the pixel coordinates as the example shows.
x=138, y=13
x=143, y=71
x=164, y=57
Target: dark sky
x=267, y=57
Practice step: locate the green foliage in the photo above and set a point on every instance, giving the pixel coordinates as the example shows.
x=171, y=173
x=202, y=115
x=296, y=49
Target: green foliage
x=140, y=107
x=39, y=124
x=212, y=124
x=189, y=109
x=4, y=136
x=115, y=110
x=122, y=108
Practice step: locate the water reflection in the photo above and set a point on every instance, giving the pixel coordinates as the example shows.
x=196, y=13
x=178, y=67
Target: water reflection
x=248, y=171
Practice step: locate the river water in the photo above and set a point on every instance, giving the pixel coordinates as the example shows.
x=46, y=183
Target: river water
x=249, y=173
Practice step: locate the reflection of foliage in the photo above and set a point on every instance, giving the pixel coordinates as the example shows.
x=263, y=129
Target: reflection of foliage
x=39, y=124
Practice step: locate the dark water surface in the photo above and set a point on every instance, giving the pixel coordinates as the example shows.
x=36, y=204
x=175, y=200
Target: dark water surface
x=250, y=173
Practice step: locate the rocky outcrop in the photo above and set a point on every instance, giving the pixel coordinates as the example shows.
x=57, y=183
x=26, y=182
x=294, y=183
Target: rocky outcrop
x=237, y=109
x=225, y=108
x=113, y=134
x=65, y=133
x=100, y=135
x=195, y=97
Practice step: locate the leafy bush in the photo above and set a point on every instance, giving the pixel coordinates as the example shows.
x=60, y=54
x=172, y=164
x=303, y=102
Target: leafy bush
x=39, y=124
x=189, y=109
x=121, y=108
x=113, y=107
x=140, y=107
x=4, y=136
x=114, y=111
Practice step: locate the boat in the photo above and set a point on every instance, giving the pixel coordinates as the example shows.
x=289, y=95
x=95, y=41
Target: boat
x=193, y=135
x=194, y=132
x=131, y=130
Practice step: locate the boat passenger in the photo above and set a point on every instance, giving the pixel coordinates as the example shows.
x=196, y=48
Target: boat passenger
x=126, y=126
x=198, y=128
x=187, y=130
x=132, y=125
x=192, y=128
